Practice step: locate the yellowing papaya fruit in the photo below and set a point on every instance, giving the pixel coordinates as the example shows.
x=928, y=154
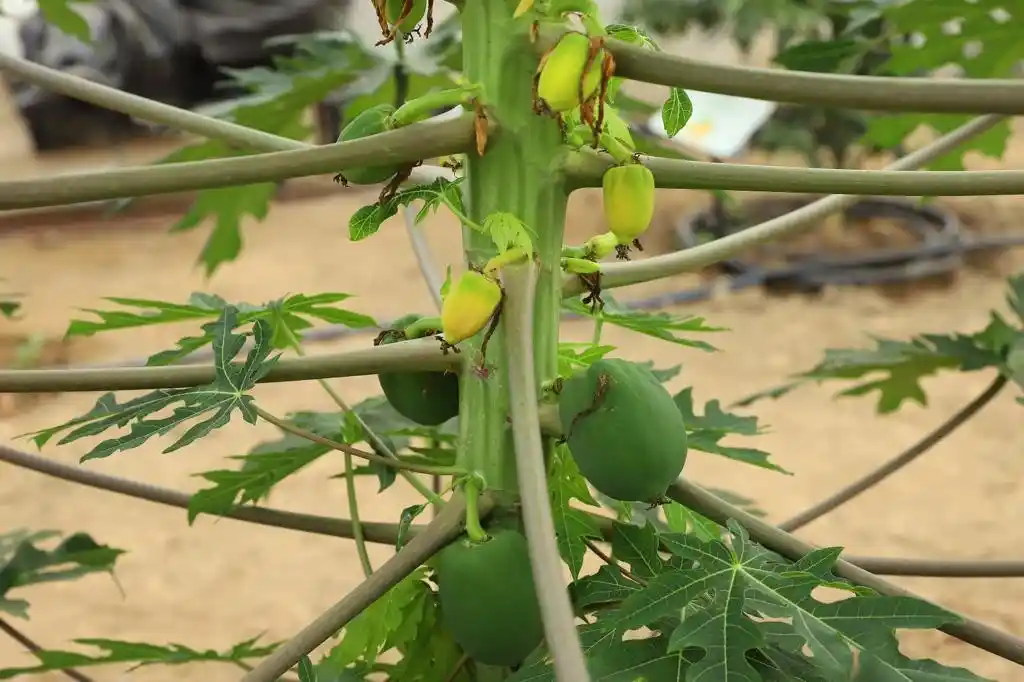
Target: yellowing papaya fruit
x=563, y=69
x=628, y=200
x=393, y=11
x=427, y=398
x=623, y=429
x=469, y=306
x=488, y=598
x=369, y=122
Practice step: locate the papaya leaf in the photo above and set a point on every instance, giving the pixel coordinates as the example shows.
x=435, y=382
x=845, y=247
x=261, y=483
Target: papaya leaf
x=895, y=368
x=610, y=659
x=573, y=357
x=573, y=526
x=676, y=112
x=271, y=462
x=287, y=317
x=727, y=637
x=9, y=308
x=662, y=375
x=215, y=403
x=392, y=621
x=227, y=207
x=637, y=547
x=24, y=561
x=366, y=221
x=60, y=13
x=281, y=109
x=409, y=515
x=659, y=325
x=841, y=635
x=509, y=232
x=429, y=654
x=986, y=44
x=607, y=586
x=681, y=519
x=705, y=432
x=137, y=653
x=307, y=672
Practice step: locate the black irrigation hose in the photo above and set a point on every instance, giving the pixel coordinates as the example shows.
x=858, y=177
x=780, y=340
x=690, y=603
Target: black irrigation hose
x=939, y=250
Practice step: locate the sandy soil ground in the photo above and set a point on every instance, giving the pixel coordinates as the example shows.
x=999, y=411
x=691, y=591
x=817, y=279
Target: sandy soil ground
x=217, y=583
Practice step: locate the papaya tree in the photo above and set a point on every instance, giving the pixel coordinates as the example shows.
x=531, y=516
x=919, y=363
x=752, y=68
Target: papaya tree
x=541, y=452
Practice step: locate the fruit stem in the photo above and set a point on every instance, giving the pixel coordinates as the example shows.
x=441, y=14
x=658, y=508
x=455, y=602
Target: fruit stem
x=513, y=255
x=425, y=326
x=622, y=154
x=422, y=108
x=471, y=489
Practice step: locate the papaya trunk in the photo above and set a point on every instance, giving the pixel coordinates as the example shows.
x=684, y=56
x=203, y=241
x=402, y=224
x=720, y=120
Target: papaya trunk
x=521, y=173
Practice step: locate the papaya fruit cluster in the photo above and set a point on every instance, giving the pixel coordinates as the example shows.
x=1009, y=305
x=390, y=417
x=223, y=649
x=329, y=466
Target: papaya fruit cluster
x=623, y=429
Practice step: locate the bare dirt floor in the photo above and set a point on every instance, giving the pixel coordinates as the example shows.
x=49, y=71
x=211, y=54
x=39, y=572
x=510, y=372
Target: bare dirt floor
x=218, y=583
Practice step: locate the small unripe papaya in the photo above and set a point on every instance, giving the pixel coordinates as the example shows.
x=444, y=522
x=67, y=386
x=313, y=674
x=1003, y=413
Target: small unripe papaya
x=488, y=598
x=562, y=71
x=469, y=306
x=623, y=429
x=427, y=398
x=628, y=200
x=369, y=122
x=393, y=11
x=601, y=245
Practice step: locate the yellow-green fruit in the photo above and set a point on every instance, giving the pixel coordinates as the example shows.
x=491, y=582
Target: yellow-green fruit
x=369, y=122
x=624, y=430
x=628, y=200
x=559, y=84
x=469, y=305
x=488, y=598
x=393, y=10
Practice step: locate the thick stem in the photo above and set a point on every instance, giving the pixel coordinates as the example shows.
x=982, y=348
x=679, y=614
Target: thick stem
x=471, y=489
x=174, y=118
x=874, y=93
x=424, y=107
x=425, y=140
x=520, y=173
x=441, y=530
x=416, y=356
x=425, y=326
x=586, y=168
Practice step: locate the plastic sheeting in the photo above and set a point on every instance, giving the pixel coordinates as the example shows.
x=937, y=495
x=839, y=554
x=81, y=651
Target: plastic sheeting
x=167, y=50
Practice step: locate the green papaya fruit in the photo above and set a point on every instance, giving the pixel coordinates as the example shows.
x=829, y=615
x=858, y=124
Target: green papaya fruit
x=488, y=598
x=628, y=194
x=369, y=122
x=562, y=72
x=427, y=398
x=624, y=430
x=393, y=10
